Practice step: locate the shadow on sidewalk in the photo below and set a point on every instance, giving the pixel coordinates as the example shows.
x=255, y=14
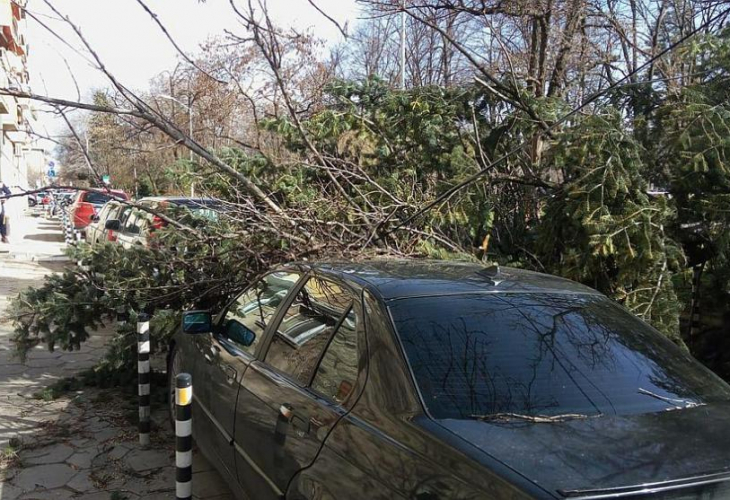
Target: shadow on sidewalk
x=54, y=237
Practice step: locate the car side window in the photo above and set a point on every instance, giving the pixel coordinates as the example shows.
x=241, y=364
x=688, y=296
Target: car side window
x=306, y=328
x=123, y=216
x=337, y=372
x=110, y=213
x=134, y=221
x=246, y=318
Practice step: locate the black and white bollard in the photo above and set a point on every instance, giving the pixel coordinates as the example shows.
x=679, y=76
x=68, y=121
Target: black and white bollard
x=66, y=231
x=183, y=437
x=122, y=316
x=143, y=370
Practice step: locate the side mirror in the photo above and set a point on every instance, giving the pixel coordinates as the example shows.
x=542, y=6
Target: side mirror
x=197, y=322
x=112, y=225
x=239, y=333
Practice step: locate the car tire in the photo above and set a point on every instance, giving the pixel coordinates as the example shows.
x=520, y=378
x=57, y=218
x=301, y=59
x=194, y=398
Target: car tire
x=174, y=367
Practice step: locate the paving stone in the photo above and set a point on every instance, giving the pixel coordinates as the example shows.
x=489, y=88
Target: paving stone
x=42, y=352
x=161, y=480
x=44, y=363
x=45, y=476
x=82, y=459
x=209, y=484
x=107, y=495
x=47, y=455
x=119, y=451
x=81, y=442
x=8, y=491
x=81, y=482
x=145, y=460
x=57, y=494
x=11, y=369
x=200, y=463
x=162, y=495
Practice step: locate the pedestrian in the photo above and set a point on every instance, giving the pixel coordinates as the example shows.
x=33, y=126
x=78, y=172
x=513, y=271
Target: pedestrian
x=4, y=193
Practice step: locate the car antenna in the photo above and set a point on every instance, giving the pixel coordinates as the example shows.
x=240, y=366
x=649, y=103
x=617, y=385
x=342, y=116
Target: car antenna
x=493, y=273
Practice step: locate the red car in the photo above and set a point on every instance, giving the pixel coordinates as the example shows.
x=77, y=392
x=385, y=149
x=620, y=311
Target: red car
x=87, y=205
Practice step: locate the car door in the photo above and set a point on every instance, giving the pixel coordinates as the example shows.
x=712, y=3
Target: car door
x=103, y=234
x=130, y=229
x=122, y=216
x=306, y=382
x=92, y=230
x=224, y=355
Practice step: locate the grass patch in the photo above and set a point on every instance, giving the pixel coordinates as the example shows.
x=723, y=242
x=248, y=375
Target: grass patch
x=10, y=455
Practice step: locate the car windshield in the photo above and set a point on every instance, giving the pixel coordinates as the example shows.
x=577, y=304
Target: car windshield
x=503, y=356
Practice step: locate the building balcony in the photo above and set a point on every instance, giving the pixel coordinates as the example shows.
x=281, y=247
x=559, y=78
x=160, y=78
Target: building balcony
x=12, y=117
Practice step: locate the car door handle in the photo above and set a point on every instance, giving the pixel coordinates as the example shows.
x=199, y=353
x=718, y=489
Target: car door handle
x=316, y=423
x=231, y=374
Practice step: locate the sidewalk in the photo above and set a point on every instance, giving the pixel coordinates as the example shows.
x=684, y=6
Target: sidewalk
x=34, y=239
x=82, y=445
x=26, y=261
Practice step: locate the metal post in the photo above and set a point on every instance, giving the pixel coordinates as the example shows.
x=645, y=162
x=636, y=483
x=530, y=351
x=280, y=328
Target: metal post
x=190, y=133
x=183, y=437
x=143, y=371
x=403, y=45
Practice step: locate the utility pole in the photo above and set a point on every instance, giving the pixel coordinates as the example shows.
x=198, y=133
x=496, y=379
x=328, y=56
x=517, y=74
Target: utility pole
x=403, y=45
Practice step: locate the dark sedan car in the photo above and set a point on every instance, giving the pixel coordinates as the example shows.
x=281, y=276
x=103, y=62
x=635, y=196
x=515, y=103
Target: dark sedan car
x=430, y=380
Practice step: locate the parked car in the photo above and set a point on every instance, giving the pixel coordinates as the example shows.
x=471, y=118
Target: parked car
x=87, y=204
x=96, y=231
x=135, y=226
x=432, y=380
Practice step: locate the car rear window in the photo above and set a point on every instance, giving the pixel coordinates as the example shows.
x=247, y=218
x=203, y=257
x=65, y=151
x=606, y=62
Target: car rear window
x=101, y=198
x=207, y=209
x=512, y=356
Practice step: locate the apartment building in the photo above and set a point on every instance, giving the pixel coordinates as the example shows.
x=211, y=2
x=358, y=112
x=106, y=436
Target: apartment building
x=18, y=147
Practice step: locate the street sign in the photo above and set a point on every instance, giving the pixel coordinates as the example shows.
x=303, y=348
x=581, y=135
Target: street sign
x=51, y=173
x=105, y=179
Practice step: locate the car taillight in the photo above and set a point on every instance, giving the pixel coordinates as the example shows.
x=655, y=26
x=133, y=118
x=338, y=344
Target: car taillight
x=82, y=214
x=157, y=222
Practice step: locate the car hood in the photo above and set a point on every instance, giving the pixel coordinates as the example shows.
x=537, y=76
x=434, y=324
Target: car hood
x=607, y=452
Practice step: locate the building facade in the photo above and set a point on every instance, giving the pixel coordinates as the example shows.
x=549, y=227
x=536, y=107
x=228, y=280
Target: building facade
x=19, y=149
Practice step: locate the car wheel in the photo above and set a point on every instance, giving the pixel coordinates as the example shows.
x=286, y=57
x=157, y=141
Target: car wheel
x=173, y=369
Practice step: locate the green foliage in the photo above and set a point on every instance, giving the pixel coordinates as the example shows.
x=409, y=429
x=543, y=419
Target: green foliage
x=603, y=229
x=179, y=271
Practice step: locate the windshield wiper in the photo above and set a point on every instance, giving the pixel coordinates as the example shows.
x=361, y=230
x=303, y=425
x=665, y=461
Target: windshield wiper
x=539, y=419
x=685, y=403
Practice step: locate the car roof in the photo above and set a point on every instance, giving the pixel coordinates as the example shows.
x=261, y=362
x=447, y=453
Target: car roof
x=396, y=279
x=178, y=199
